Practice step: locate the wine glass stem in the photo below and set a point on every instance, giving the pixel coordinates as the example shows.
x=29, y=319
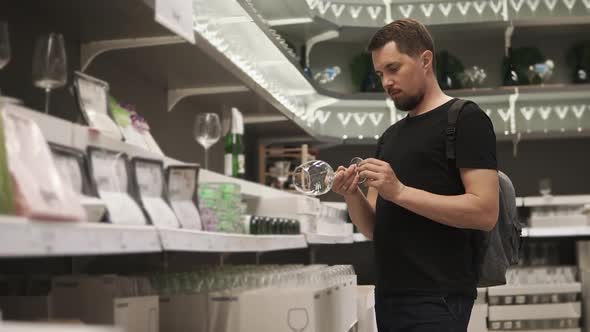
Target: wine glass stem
x=47, y=95
x=206, y=163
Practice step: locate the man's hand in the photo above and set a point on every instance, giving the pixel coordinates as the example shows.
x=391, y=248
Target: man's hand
x=346, y=180
x=381, y=177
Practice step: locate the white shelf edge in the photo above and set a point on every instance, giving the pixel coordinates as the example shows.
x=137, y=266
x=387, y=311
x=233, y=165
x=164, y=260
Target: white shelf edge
x=556, y=200
x=22, y=237
x=313, y=238
x=200, y=241
x=540, y=232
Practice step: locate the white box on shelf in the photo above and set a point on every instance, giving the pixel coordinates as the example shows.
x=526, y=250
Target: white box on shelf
x=569, y=288
x=283, y=205
x=183, y=313
x=328, y=228
x=298, y=309
x=535, y=311
x=479, y=318
x=367, y=321
x=559, y=221
x=97, y=300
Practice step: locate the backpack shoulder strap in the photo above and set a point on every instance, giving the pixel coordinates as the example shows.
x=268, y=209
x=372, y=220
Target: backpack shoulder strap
x=451, y=132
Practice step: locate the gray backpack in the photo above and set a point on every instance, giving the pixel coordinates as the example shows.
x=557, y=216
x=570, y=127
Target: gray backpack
x=499, y=248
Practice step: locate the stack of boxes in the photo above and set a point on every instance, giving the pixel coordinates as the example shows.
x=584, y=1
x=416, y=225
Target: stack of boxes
x=101, y=300
x=332, y=220
x=537, y=298
x=220, y=206
x=296, y=207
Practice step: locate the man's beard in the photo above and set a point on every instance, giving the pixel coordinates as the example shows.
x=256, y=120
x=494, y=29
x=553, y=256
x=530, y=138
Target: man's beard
x=408, y=103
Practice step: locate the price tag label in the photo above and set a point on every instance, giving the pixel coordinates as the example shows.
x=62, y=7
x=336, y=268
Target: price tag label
x=150, y=179
x=109, y=171
x=182, y=184
x=176, y=15
x=70, y=171
x=160, y=213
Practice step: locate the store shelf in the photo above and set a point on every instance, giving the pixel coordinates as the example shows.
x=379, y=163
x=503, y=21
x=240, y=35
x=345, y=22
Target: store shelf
x=198, y=241
x=20, y=237
x=552, y=232
x=328, y=239
x=556, y=200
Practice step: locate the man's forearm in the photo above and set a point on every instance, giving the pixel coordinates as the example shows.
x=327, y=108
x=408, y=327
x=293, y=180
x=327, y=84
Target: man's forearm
x=361, y=212
x=461, y=211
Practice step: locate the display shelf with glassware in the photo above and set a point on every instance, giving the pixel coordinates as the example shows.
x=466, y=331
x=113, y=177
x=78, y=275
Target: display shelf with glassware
x=126, y=234
x=235, y=298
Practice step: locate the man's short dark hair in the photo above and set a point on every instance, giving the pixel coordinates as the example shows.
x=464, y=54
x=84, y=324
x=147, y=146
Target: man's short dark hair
x=410, y=36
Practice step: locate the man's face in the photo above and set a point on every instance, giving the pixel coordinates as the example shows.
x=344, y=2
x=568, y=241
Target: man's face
x=403, y=77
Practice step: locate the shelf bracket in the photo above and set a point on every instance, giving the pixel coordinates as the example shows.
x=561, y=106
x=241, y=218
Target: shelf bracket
x=89, y=51
x=310, y=43
x=176, y=95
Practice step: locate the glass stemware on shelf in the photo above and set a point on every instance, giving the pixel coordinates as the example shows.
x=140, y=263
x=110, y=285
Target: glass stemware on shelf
x=316, y=177
x=282, y=170
x=50, y=64
x=207, y=131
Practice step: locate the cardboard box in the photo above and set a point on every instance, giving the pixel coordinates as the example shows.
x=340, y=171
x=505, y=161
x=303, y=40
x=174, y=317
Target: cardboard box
x=25, y=308
x=282, y=205
x=535, y=311
x=479, y=318
x=184, y=313
x=101, y=300
x=299, y=309
x=367, y=321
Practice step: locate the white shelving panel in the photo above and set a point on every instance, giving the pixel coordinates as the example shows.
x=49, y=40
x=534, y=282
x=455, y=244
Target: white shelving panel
x=198, y=241
x=328, y=239
x=540, y=232
x=20, y=237
x=556, y=200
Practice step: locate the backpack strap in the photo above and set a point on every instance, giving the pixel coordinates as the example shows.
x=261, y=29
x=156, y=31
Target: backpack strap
x=451, y=132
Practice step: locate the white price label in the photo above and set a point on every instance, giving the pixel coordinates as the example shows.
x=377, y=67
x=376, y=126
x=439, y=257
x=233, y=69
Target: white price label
x=122, y=208
x=109, y=171
x=93, y=96
x=160, y=213
x=176, y=15
x=149, y=179
x=187, y=214
x=70, y=171
x=182, y=183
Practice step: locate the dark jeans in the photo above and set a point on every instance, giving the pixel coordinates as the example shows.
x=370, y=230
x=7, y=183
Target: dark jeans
x=423, y=313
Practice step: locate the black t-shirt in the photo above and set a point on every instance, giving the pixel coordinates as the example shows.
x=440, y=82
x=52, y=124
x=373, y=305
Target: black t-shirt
x=415, y=255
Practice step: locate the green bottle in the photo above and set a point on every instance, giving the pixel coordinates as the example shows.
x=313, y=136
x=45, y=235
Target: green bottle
x=235, y=163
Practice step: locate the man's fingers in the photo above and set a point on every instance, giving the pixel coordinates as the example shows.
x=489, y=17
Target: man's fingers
x=370, y=167
x=355, y=181
x=372, y=161
x=369, y=175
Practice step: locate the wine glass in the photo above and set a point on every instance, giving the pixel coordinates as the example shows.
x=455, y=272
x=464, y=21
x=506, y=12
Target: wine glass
x=207, y=131
x=49, y=64
x=4, y=45
x=283, y=171
x=316, y=177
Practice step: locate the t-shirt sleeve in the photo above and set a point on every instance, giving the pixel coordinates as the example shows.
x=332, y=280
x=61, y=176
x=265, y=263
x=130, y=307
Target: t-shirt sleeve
x=476, y=140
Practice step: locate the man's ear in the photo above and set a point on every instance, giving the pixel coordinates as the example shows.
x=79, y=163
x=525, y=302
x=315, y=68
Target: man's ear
x=427, y=60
